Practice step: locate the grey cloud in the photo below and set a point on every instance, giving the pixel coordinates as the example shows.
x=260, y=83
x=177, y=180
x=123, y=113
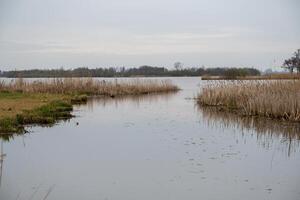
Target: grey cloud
x=118, y=32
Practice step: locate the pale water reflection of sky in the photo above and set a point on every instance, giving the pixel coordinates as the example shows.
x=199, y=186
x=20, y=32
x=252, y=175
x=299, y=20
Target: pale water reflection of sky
x=73, y=33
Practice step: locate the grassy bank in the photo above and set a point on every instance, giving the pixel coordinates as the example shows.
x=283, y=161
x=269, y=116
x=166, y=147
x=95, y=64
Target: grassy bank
x=262, y=77
x=45, y=102
x=273, y=99
x=19, y=109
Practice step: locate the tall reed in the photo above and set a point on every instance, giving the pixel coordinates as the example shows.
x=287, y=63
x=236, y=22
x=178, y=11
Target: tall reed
x=274, y=99
x=89, y=86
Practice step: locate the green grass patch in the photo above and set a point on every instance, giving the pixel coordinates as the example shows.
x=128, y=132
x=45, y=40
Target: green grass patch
x=78, y=99
x=45, y=109
x=10, y=125
x=12, y=95
x=46, y=114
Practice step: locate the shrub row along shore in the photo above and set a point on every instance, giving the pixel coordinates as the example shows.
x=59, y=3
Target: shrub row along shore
x=45, y=102
x=272, y=99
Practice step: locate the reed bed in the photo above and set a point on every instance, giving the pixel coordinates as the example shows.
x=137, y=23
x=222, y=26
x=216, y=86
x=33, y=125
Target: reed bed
x=89, y=86
x=273, y=99
x=281, y=76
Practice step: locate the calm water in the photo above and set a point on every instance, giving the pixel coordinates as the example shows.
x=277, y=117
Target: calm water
x=154, y=147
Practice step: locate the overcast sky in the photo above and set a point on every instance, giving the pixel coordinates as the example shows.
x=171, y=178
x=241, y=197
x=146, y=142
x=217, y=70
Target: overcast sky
x=98, y=33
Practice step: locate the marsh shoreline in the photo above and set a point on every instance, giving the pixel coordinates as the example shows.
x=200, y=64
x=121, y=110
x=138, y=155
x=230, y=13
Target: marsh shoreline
x=45, y=102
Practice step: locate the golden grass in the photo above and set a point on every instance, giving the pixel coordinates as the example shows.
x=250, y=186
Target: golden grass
x=273, y=99
x=19, y=109
x=12, y=104
x=89, y=86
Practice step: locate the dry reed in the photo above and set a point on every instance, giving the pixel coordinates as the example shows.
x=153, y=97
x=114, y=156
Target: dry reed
x=273, y=99
x=280, y=76
x=89, y=86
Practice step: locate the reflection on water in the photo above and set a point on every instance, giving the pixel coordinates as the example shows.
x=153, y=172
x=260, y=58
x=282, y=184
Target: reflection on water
x=6, y=137
x=2, y=156
x=135, y=100
x=266, y=130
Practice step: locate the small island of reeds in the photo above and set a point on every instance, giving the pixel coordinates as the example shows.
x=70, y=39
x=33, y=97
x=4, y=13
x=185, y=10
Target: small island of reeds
x=46, y=101
x=273, y=99
x=280, y=76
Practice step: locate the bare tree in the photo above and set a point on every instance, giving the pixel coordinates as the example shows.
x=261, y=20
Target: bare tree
x=297, y=60
x=293, y=63
x=178, y=65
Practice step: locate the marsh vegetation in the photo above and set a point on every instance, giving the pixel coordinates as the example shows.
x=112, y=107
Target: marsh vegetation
x=234, y=76
x=89, y=86
x=19, y=109
x=272, y=99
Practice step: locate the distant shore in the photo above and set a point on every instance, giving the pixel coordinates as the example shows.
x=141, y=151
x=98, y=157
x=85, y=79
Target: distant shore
x=142, y=71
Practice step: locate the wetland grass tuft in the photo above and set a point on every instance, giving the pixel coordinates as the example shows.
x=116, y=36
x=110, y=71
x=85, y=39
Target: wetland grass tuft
x=281, y=76
x=46, y=114
x=273, y=99
x=10, y=125
x=89, y=86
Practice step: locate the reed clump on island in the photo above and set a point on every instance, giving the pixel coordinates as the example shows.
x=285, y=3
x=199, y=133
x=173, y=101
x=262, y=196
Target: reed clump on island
x=273, y=99
x=45, y=102
x=89, y=86
x=234, y=76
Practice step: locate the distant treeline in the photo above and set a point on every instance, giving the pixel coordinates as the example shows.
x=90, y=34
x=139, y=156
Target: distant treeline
x=130, y=72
